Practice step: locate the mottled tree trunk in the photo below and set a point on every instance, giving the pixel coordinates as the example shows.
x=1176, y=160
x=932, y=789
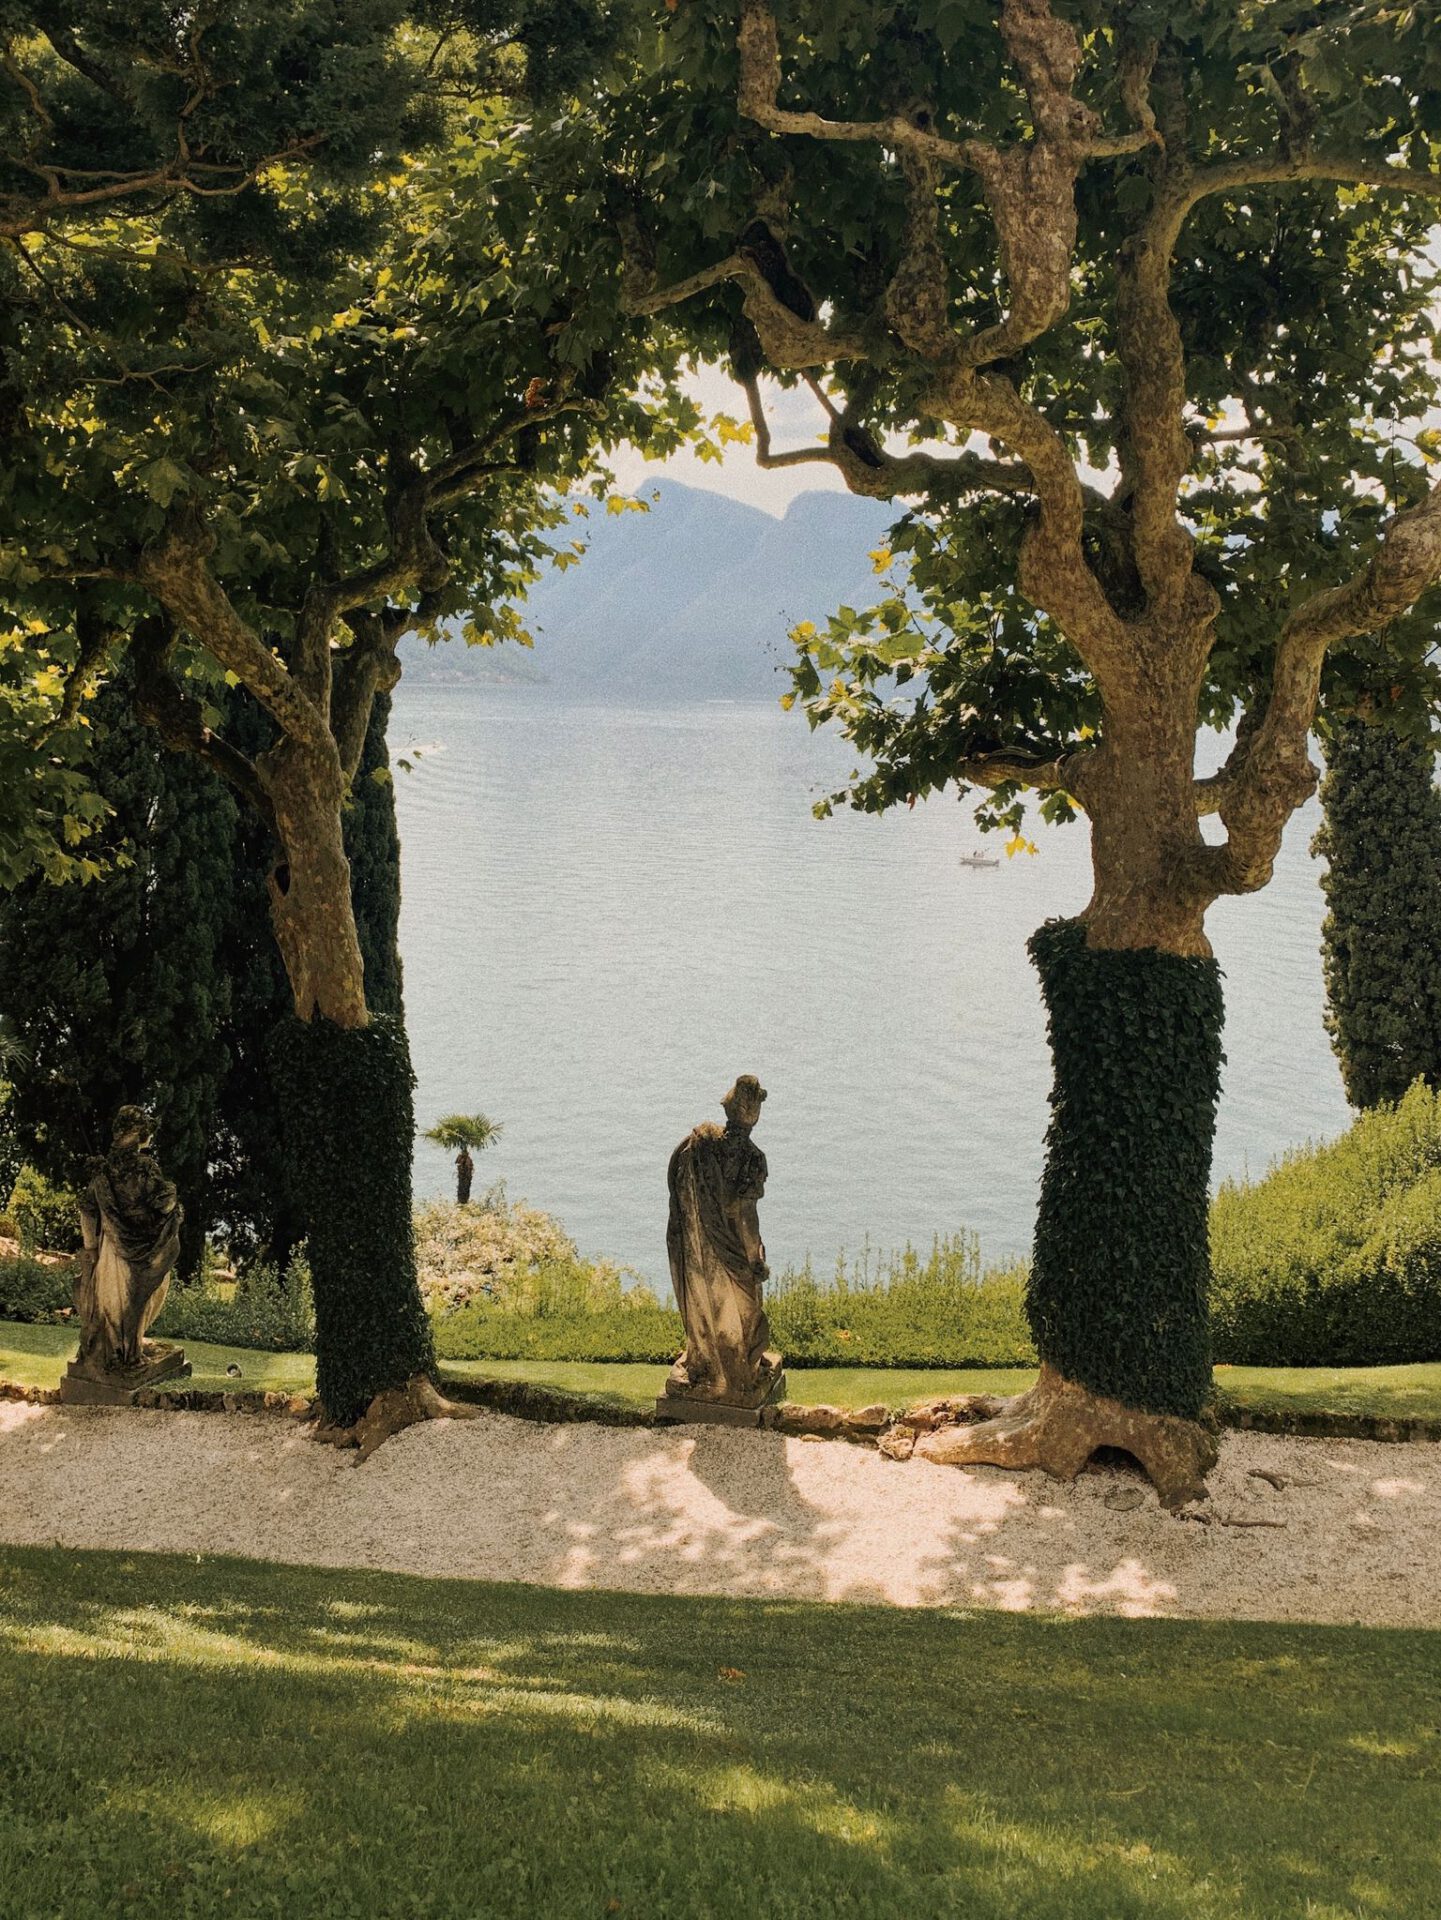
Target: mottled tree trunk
x=344, y=1083
x=1120, y=1273
x=310, y=897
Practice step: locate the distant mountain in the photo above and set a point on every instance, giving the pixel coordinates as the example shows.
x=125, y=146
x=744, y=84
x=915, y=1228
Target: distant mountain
x=690, y=600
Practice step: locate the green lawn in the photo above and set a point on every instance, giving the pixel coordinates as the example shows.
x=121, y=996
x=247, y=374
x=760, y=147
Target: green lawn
x=36, y=1356
x=219, y=1737
x=1390, y=1391
x=1395, y=1392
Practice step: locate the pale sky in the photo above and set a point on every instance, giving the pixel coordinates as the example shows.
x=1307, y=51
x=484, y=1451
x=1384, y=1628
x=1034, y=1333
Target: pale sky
x=795, y=420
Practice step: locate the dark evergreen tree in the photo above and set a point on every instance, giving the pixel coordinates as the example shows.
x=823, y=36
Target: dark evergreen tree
x=258, y=1215
x=113, y=987
x=1381, y=840
x=372, y=845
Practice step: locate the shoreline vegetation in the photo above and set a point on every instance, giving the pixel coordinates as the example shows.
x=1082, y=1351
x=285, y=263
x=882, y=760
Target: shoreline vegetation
x=1332, y=1260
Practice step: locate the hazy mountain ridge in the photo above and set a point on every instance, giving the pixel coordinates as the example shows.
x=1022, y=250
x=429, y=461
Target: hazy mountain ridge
x=690, y=600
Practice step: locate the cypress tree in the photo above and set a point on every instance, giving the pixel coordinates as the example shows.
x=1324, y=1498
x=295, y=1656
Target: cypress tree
x=372, y=845
x=1381, y=840
x=113, y=987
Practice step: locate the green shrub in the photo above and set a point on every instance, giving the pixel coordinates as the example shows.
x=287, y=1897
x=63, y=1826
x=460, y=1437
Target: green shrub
x=45, y=1216
x=1334, y=1259
x=34, y=1289
x=641, y=1333
x=268, y=1310
x=942, y=1311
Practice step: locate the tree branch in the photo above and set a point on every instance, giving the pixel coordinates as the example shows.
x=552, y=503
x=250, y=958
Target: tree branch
x=179, y=719
x=1270, y=773
x=760, y=77
x=177, y=572
x=1065, y=774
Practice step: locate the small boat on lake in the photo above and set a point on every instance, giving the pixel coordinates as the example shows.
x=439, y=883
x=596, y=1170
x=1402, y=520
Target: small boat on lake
x=978, y=860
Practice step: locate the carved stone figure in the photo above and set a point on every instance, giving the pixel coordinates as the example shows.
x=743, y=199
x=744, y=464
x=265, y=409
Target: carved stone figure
x=718, y=1265
x=130, y=1224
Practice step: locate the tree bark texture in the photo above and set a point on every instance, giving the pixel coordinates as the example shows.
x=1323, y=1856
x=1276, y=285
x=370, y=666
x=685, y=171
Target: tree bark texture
x=311, y=906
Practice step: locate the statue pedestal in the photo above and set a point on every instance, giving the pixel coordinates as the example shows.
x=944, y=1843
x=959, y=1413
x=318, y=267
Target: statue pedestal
x=90, y=1386
x=678, y=1409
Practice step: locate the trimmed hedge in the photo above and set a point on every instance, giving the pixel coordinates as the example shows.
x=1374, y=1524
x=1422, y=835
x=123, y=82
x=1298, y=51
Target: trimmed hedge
x=1117, y=1293
x=1334, y=1258
x=1381, y=841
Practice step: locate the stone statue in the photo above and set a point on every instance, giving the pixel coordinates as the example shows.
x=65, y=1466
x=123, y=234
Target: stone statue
x=130, y=1224
x=717, y=1265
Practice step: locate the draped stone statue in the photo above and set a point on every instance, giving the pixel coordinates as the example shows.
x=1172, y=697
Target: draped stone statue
x=728, y=1370
x=130, y=1220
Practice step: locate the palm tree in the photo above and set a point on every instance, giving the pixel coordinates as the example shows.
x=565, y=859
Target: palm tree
x=13, y=1051
x=461, y=1132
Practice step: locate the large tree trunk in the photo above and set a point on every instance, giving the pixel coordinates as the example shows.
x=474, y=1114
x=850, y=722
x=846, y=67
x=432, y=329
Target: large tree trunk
x=1120, y=1274
x=344, y=1084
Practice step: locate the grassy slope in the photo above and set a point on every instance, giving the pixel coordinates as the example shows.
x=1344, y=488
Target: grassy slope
x=220, y=1737
x=36, y=1356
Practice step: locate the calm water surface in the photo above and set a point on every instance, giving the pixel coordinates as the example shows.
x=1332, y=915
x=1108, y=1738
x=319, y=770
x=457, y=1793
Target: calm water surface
x=609, y=912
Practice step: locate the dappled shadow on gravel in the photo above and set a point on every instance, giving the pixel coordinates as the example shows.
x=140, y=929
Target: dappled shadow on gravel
x=1299, y=1529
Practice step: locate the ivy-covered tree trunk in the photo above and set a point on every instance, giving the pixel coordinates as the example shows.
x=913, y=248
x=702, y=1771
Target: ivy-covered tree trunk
x=1120, y=1276
x=1117, y=1296
x=344, y=1084
x=1381, y=939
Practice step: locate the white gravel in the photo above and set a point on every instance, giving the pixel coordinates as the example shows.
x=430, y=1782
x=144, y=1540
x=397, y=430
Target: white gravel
x=703, y=1510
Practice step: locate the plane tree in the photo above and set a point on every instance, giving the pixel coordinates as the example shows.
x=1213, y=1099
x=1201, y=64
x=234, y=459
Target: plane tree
x=984, y=235
x=267, y=470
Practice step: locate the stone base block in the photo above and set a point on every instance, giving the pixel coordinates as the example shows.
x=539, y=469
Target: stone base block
x=677, y=1409
x=86, y=1386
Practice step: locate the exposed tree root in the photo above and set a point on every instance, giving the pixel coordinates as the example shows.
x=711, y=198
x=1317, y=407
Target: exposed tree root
x=1057, y=1426
x=392, y=1412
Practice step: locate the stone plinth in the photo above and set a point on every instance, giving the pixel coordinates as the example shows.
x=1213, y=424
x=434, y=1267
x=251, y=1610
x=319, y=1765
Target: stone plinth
x=683, y=1409
x=86, y=1386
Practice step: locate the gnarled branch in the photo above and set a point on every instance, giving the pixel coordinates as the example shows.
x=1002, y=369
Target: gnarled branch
x=179, y=718
x=1270, y=773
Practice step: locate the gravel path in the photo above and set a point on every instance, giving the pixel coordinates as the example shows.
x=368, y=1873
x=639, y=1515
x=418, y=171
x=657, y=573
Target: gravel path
x=709, y=1511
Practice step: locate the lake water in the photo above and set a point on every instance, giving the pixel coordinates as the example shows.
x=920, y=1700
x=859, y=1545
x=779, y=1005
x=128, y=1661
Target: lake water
x=609, y=912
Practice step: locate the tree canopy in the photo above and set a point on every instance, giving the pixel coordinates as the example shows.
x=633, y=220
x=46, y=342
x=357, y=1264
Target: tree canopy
x=862, y=233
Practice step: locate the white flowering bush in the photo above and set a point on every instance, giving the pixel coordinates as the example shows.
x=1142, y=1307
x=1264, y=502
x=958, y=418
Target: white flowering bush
x=507, y=1255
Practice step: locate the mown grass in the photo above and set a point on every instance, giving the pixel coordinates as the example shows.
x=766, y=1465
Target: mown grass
x=219, y=1737
x=36, y=1356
